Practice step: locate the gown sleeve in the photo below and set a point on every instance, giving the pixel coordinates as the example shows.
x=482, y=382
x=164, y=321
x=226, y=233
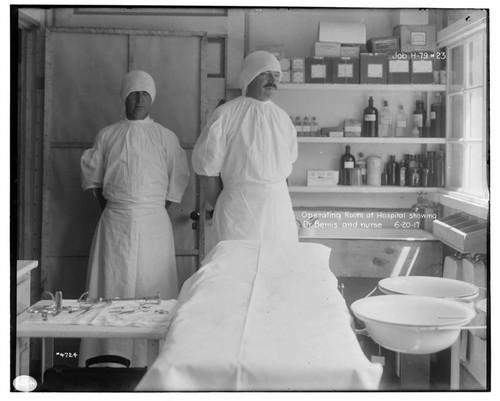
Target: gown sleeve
x=210, y=149
x=92, y=164
x=178, y=174
x=292, y=144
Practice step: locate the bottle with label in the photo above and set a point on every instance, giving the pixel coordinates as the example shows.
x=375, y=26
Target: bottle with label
x=392, y=171
x=362, y=166
x=386, y=121
x=401, y=122
x=298, y=126
x=347, y=162
x=306, y=126
x=418, y=120
x=436, y=117
x=370, y=120
x=314, y=127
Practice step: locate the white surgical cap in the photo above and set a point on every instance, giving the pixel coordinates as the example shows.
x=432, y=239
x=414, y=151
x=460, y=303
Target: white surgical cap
x=138, y=81
x=256, y=63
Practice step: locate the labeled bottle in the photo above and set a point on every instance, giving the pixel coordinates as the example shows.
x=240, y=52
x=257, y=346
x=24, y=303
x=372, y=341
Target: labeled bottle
x=347, y=162
x=436, y=116
x=314, y=127
x=298, y=126
x=402, y=174
x=370, y=120
x=362, y=166
x=401, y=122
x=418, y=120
x=306, y=126
x=386, y=121
x=392, y=171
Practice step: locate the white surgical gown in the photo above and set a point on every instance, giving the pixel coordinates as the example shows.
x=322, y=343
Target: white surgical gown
x=139, y=164
x=252, y=145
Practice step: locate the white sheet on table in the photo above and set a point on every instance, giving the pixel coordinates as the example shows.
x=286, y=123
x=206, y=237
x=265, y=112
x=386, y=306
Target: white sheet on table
x=262, y=317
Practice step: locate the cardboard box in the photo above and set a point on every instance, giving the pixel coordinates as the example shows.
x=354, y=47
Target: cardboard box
x=416, y=38
x=383, y=45
x=285, y=77
x=322, y=178
x=285, y=64
x=342, y=32
x=332, y=132
x=398, y=68
x=345, y=70
x=422, y=68
x=326, y=49
x=373, y=68
x=352, y=128
x=350, y=51
x=318, y=70
x=407, y=16
x=297, y=77
x=298, y=64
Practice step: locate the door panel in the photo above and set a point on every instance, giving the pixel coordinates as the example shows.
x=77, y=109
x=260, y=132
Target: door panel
x=83, y=78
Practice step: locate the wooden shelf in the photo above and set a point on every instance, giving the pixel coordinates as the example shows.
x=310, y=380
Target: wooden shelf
x=380, y=140
x=366, y=87
x=361, y=189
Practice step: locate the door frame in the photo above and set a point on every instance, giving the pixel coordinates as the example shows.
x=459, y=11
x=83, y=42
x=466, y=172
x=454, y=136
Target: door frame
x=48, y=144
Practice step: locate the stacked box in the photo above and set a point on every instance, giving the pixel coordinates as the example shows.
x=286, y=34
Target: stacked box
x=383, y=45
x=350, y=51
x=398, y=68
x=422, y=68
x=373, y=68
x=297, y=73
x=317, y=70
x=327, y=49
x=416, y=38
x=345, y=70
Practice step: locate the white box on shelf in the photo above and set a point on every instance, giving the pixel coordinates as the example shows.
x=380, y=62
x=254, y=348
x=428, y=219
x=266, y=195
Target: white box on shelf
x=342, y=32
x=410, y=17
x=322, y=178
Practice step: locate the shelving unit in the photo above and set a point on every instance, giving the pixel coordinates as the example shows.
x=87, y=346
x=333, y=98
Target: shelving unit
x=361, y=189
x=366, y=87
x=376, y=140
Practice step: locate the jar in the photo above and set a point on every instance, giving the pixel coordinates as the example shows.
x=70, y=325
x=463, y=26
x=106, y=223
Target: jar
x=374, y=170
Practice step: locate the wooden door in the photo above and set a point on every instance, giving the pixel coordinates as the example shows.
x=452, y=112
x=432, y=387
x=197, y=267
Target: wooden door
x=84, y=69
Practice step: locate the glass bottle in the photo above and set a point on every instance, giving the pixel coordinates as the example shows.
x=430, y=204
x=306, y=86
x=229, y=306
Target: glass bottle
x=412, y=177
x=386, y=121
x=370, y=120
x=347, y=162
x=401, y=122
x=362, y=166
x=392, y=170
x=314, y=127
x=436, y=116
x=306, y=126
x=298, y=126
x=440, y=170
x=418, y=120
x=356, y=177
x=402, y=174
x=431, y=165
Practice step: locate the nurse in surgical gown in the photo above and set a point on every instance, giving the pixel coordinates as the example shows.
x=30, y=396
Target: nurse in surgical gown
x=140, y=165
x=251, y=144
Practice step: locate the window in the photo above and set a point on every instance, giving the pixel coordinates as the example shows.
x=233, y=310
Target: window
x=467, y=95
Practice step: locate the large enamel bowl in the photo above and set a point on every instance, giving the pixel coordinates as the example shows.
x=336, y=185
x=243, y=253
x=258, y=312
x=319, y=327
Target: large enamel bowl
x=413, y=324
x=438, y=287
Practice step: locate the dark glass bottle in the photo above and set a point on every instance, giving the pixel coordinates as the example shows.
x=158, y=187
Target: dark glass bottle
x=418, y=119
x=392, y=171
x=370, y=120
x=402, y=174
x=436, y=118
x=440, y=170
x=431, y=165
x=347, y=162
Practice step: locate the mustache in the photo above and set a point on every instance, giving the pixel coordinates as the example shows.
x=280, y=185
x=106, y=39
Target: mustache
x=270, y=85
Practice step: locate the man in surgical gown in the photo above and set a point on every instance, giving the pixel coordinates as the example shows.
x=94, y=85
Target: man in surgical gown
x=136, y=166
x=249, y=144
